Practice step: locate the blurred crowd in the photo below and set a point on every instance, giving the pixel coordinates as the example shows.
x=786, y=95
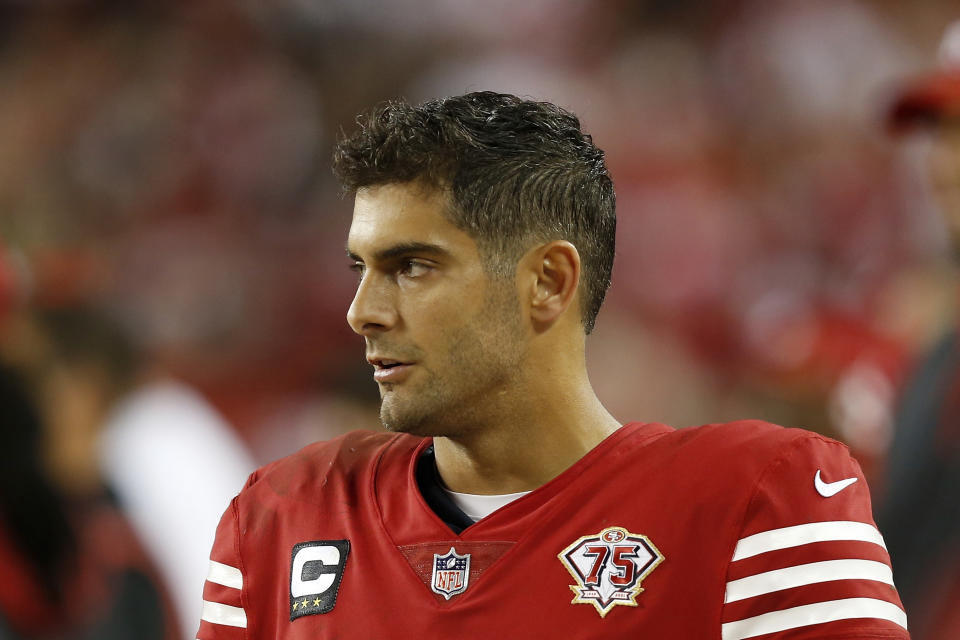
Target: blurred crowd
x=173, y=282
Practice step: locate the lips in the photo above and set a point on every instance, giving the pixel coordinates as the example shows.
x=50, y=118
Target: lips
x=384, y=362
x=389, y=369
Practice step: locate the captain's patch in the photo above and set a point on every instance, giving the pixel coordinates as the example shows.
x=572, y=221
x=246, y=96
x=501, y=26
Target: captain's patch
x=316, y=569
x=609, y=567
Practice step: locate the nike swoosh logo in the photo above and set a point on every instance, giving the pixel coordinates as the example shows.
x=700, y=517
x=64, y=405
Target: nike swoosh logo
x=828, y=489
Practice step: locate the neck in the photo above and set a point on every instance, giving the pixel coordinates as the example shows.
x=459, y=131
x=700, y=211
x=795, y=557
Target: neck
x=532, y=443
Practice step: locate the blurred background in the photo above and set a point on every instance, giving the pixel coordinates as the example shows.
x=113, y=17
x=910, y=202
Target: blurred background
x=173, y=284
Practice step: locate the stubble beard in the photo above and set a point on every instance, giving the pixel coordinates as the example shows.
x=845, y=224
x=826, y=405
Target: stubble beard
x=481, y=359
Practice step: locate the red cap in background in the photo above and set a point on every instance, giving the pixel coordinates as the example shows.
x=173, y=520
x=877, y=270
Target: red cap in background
x=933, y=98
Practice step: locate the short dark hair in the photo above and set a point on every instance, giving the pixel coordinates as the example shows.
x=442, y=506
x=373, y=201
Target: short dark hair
x=518, y=171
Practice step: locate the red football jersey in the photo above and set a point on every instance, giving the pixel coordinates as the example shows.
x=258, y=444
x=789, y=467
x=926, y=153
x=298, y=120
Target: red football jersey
x=743, y=530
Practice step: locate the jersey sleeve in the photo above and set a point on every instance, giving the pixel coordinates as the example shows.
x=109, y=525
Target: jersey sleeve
x=223, y=616
x=810, y=562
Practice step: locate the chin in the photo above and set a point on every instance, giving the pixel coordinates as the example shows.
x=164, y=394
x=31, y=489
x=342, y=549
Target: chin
x=420, y=424
x=399, y=421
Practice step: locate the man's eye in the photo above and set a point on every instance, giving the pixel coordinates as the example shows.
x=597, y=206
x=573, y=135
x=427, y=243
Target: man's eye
x=414, y=268
x=358, y=268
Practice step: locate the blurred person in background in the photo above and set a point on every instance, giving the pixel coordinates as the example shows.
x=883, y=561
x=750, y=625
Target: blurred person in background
x=170, y=458
x=920, y=515
x=483, y=238
x=70, y=566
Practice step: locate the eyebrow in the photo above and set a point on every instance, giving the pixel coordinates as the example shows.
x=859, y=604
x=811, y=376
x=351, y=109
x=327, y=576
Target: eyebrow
x=402, y=249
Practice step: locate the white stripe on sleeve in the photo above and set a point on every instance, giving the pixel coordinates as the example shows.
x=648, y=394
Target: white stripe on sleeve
x=813, y=614
x=223, y=614
x=225, y=574
x=804, y=574
x=801, y=534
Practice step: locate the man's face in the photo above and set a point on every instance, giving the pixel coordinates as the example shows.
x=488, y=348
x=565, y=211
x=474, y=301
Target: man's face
x=443, y=337
x=944, y=170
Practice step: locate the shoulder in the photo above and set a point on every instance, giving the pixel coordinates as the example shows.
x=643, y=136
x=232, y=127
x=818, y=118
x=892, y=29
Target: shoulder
x=752, y=445
x=341, y=460
x=787, y=476
x=727, y=466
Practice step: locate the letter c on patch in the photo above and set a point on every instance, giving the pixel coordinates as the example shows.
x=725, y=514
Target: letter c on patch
x=328, y=555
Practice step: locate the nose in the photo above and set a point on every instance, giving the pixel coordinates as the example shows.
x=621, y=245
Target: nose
x=373, y=309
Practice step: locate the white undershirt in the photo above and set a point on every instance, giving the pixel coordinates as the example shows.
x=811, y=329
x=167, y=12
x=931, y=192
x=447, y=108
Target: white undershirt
x=478, y=506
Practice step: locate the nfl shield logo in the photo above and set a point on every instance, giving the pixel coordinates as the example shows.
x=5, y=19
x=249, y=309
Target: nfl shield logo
x=451, y=573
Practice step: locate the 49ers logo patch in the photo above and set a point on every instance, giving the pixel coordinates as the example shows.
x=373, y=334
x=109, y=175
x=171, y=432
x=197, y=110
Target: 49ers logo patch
x=609, y=567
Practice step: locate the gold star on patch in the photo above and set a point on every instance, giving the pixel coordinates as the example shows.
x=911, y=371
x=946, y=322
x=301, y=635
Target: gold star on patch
x=316, y=602
x=295, y=605
x=304, y=603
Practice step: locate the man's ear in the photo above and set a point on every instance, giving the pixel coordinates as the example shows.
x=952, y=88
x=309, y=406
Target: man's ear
x=554, y=271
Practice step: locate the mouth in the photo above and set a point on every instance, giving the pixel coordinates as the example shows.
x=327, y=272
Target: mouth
x=389, y=370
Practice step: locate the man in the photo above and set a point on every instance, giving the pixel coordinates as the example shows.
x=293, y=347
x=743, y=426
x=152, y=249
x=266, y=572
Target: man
x=921, y=512
x=507, y=502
